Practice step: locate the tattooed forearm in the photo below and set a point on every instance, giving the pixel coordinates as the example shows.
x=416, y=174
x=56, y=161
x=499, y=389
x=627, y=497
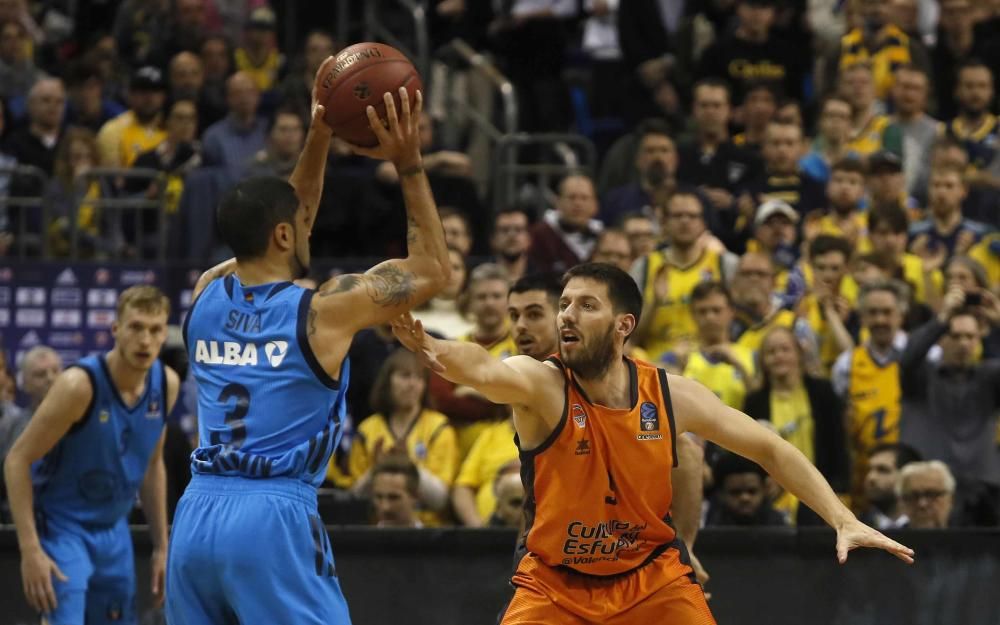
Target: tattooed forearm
x=389, y=285
x=412, y=231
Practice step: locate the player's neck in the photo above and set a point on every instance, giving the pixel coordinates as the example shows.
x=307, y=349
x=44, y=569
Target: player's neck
x=127, y=379
x=262, y=271
x=613, y=389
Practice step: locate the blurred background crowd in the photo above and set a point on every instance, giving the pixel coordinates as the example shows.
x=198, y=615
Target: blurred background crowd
x=807, y=193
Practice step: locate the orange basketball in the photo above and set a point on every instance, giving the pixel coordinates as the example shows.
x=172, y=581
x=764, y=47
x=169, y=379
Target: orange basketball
x=358, y=77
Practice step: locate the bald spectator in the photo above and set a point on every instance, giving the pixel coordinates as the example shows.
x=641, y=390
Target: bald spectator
x=231, y=142
x=40, y=367
x=187, y=76
x=17, y=69
x=566, y=235
x=35, y=143
x=138, y=129
x=509, y=491
x=88, y=106
x=927, y=490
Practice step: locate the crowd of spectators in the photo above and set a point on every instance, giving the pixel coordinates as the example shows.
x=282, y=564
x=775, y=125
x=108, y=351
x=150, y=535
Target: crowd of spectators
x=807, y=195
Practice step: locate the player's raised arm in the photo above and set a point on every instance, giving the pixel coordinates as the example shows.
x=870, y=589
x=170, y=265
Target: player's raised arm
x=310, y=170
x=698, y=410
x=356, y=301
x=64, y=405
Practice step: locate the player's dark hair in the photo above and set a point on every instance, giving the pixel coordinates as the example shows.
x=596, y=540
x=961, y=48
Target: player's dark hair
x=250, y=212
x=548, y=282
x=903, y=452
x=706, y=289
x=826, y=243
x=891, y=215
x=398, y=464
x=381, y=400
x=622, y=289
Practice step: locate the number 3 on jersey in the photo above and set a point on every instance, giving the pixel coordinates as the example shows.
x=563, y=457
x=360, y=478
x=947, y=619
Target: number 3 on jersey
x=234, y=418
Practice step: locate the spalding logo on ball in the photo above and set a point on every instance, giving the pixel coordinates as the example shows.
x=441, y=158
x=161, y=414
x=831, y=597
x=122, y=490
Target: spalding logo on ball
x=358, y=78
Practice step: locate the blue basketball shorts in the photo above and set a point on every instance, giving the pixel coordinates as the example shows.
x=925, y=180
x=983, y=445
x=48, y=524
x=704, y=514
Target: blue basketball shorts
x=253, y=552
x=101, y=572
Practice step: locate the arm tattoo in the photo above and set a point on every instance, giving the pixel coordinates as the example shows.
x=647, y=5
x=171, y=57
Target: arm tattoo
x=344, y=283
x=412, y=232
x=311, y=323
x=389, y=285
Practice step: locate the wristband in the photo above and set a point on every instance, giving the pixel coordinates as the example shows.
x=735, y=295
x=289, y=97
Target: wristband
x=411, y=171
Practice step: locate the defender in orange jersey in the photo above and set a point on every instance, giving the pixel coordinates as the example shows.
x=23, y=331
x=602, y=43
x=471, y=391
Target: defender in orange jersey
x=596, y=432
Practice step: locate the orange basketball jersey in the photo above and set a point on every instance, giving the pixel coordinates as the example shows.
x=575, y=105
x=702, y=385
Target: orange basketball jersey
x=598, y=489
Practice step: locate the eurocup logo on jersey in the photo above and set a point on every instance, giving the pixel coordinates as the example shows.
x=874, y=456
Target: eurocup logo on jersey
x=649, y=421
x=275, y=352
x=153, y=408
x=579, y=416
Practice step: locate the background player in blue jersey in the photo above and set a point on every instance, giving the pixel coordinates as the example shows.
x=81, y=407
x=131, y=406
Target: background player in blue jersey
x=270, y=360
x=72, y=475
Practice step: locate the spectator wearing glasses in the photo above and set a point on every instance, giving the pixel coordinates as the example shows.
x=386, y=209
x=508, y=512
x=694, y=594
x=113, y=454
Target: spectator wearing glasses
x=927, y=490
x=510, y=242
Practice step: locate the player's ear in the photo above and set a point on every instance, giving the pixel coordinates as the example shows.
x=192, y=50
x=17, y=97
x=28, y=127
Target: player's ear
x=284, y=236
x=626, y=324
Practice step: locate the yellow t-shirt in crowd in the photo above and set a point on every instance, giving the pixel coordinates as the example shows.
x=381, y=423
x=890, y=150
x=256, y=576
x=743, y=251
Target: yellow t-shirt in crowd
x=753, y=337
x=792, y=417
x=672, y=320
x=430, y=443
x=468, y=433
x=264, y=75
x=983, y=254
x=122, y=139
x=874, y=399
x=722, y=378
x=493, y=450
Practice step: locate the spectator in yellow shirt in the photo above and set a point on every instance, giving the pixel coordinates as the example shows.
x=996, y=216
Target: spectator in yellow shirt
x=403, y=424
x=259, y=56
x=723, y=367
x=139, y=129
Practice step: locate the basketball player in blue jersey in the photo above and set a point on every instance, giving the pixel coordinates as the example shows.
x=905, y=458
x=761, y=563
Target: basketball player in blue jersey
x=72, y=476
x=270, y=359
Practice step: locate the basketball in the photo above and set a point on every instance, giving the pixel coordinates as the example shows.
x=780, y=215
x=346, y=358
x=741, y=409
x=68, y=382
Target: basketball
x=358, y=77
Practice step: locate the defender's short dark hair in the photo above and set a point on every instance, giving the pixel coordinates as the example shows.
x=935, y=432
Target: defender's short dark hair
x=705, y=289
x=903, y=452
x=548, y=282
x=249, y=213
x=622, y=289
x=826, y=243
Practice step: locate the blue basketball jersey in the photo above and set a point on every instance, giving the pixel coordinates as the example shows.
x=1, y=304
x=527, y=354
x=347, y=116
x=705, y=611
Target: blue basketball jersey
x=93, y=474
x=266, y=407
